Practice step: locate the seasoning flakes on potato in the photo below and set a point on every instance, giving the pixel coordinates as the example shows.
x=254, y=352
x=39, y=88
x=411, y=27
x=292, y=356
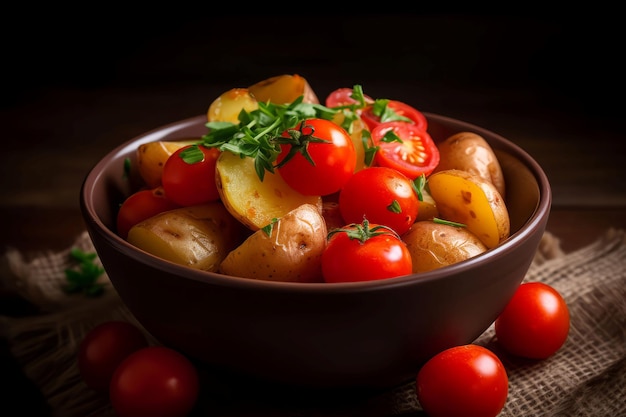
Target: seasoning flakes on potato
x=290, y=252
x=469, y=199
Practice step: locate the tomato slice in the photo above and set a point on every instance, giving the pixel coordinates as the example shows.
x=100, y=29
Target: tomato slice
x=417, y=154
x=401, y=109
x=341, y=97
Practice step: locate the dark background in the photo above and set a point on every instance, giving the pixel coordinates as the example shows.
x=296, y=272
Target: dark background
x=77, y=83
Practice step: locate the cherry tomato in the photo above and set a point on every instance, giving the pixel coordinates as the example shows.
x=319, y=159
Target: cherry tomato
x=535, y=323
x=341, y=97
x=104, y=348
x=140, y=206
x=467, y=380
x=364, y=252
x=381, y=195
x=334, y=159
x=186, y=183
x=401, y=109
x=415, y=154
x=155, y=381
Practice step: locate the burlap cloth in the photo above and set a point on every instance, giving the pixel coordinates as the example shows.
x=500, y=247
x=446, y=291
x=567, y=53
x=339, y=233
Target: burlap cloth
x=586, y=377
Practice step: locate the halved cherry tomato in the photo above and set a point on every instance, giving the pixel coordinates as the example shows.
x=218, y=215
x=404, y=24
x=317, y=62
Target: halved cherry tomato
x=535, y=323
x=401, y=109
x=341, y=97
x=467, y=380
x=332, y=154
x=382, y=195
x=104, y=348
x=155, y=381
x=190, y=183
x=140, y=206
x=364, y=252
x=415, y=154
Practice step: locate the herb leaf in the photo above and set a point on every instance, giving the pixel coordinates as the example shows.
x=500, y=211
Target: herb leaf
x=83, y=278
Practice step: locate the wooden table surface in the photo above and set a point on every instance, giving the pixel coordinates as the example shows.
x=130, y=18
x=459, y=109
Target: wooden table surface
x=521, y=78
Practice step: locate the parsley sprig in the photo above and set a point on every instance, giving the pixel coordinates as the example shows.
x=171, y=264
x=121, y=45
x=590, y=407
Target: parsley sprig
x=258, y=133
x=83, y=278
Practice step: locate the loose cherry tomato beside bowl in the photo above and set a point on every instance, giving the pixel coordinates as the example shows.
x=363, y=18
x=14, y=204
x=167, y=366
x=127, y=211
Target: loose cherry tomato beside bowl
x=466, y=380
x=535, y=323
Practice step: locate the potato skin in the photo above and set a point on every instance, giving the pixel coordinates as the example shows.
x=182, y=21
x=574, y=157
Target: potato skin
x=199, y=236
x=435, y=245
x=291, y=253
x=282, y=89
x=470, y=152
x=469, y=199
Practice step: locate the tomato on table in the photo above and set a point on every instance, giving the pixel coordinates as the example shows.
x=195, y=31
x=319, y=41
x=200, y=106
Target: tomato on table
x=189, y=175
x=385, y=111
x=140, y=206
x=317, y=157
x=155, y=381
x=535, y=323
x=467, y=380
x=364, y=252
x=382, y=195
x=405, y=147
x=104, y=348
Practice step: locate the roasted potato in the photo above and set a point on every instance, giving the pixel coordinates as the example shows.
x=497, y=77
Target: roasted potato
x=470, y=152
x=435, y=245
x=427, y=209
x=291, y=252
x=151, y=158
x=228, y=105
x=472, y=200
x=283, y=89
x=252, y=201
x=355, y=130
x=196, y=236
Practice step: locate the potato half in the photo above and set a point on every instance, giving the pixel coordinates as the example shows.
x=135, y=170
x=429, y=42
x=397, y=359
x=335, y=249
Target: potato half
x=199, y=237
x=253, y=202
x=470, y=152
x=151, y=158
x=435, y=245
x=283, y=89
x=292, y=252
x=472, y=200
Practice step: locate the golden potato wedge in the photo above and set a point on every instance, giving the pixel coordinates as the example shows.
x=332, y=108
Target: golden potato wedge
x=199, y=237
x=355, y=130
x=470, y=152
x=253, y=202
x=151, y=158
x=435, y=245
x=427, y=209
x=472, y=200
x=283, y=89
x=228, y=105
x=291, y=252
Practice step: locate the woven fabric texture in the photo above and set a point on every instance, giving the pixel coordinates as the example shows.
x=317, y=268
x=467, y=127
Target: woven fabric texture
x=586, y=377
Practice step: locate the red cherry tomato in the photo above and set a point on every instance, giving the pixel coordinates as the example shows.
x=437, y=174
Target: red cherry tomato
x=186, y=183
x=334, y=159
x=342, y=97
x=415, y=116
x=535, y=323
x=467, y=380
x=364, y=252
x=414, y=155
x=104, y=348
x=155, y=381
x=140, y=206
x=381, y=195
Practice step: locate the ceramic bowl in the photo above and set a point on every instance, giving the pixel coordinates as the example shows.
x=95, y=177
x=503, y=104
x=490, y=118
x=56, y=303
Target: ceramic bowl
x=352, y=335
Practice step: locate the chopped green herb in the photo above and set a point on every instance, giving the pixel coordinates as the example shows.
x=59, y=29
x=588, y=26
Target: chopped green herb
x=441, y=221
x=83, y=278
